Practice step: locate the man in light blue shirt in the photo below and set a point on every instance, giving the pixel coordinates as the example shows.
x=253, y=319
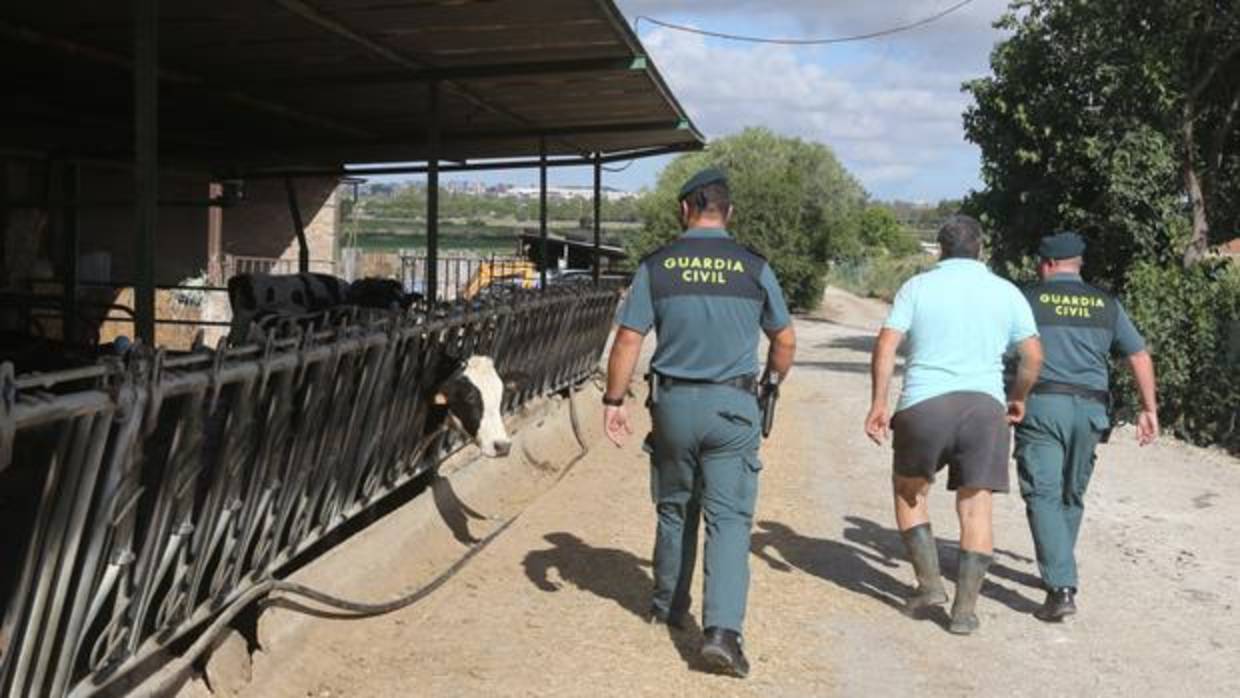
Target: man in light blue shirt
x=959, y=319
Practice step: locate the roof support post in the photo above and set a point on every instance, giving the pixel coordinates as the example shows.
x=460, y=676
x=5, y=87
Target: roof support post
x=215, y=236
x=598, y=214
x=431, y=291
x=70, y=185
x=299, y=226
x=542, y=214
x=146, y=162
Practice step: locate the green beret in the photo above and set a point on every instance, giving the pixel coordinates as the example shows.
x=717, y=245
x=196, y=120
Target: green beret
x=1061, y=246
x=710, y=175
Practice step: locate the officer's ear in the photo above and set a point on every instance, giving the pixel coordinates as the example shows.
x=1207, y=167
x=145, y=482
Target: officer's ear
x=684, y=213
x=727, y=216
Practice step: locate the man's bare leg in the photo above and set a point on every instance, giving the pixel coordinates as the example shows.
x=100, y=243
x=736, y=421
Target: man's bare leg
x=973, y=506
x=913, y=520
x=910, y=495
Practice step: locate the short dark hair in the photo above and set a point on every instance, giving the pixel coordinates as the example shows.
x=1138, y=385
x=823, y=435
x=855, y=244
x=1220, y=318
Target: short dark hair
x=714, y=197
x=961, y=237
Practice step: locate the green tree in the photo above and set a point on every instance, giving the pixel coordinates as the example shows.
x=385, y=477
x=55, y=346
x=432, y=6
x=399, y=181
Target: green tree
x=792, y=201
x=880, y=231
x=1117, y=119
x=1107, y=116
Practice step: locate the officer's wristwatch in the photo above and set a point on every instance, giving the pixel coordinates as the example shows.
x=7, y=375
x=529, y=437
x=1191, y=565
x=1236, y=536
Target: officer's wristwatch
x=613, y=401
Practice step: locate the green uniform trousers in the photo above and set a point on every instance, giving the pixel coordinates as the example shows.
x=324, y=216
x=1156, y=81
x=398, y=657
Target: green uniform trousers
x=1054, y=460
x=704, y=461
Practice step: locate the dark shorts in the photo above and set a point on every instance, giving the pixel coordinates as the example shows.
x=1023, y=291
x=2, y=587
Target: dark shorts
x=966, y=431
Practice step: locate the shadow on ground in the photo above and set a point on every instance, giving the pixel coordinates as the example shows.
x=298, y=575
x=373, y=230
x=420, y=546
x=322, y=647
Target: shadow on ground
x=454, y=512
x=609, y=573
x=864, y=560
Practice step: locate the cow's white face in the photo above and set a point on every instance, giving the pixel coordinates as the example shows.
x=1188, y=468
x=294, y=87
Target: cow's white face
x=475, y=398
x=492, y=437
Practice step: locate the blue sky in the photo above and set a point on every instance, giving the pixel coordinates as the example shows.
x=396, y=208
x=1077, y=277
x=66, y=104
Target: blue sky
x=890, y=108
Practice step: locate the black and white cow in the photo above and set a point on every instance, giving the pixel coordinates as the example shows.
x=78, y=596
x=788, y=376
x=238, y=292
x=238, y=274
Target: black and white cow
x=473, y=393
x=469, y=388
x=260, y=301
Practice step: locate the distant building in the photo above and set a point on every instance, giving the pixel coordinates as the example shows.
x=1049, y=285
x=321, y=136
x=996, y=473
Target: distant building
x=563, y=192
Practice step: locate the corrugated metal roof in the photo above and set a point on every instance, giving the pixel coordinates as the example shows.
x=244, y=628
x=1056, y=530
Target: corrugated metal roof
x=286, y=83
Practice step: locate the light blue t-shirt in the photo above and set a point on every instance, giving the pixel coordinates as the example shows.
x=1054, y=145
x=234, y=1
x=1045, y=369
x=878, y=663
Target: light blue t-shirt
x=959, y=319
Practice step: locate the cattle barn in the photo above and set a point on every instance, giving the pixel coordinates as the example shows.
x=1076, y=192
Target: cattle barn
x=148, y=498
x=131, y=129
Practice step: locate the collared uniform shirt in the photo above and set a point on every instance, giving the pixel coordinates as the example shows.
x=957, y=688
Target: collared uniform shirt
x=707, y=297
x=1081, y=325
x=959, y=319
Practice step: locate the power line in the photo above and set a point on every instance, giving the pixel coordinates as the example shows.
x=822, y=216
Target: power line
x=621, y=168
x=802, y=42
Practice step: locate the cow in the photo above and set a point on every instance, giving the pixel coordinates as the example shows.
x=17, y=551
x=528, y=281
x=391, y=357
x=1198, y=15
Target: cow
x=262, y=301
x=467, y=389
x=473, y=393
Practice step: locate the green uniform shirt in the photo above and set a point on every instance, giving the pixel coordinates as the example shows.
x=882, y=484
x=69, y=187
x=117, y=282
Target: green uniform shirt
x=1080, y=326
x=707, y=298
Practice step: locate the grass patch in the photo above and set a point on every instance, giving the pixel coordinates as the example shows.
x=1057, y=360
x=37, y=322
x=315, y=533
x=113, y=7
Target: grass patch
x=877, y=277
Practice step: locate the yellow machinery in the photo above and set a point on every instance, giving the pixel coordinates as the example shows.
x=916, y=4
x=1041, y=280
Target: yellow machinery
x=512, y=273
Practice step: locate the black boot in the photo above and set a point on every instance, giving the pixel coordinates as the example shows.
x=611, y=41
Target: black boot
x=1060, y=603
x=969, y=578
x=678, y=620
x=919, y=541
x=722, y=650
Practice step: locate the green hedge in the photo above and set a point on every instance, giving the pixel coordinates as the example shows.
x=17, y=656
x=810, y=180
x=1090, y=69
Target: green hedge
x=1191, y=321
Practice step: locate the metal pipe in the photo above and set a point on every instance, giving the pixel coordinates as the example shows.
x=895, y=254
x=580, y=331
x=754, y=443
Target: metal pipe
x=432, y=199
x=70, y=182
x=525, y=164
x=598, y=214
x=146, y=161
x=542, y=214
x=75, y=203
x=294, y=210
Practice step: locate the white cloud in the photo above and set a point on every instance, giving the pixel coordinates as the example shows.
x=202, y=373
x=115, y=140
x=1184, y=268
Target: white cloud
x=891, y=109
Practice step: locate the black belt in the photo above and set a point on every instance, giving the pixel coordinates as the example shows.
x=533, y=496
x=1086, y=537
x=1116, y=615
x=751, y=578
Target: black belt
x=1057, y=388
x=748, y=384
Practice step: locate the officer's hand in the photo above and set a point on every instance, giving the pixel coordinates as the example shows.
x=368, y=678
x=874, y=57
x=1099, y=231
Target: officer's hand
x=877, y=423
x=616, y=424
x=1015, y=411
x=1147, y=428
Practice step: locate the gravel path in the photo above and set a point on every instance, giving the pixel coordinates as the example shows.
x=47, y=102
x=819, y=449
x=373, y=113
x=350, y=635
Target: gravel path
x=553, y=606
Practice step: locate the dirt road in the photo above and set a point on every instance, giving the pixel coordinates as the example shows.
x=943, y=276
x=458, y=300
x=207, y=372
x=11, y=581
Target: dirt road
x=554, y=605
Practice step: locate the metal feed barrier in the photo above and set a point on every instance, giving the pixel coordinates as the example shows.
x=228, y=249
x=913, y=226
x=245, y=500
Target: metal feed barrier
x=162, y=489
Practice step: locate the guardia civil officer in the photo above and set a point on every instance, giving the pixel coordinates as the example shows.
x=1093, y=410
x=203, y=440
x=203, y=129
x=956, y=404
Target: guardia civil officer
x=1067, y=414
x=707, y=297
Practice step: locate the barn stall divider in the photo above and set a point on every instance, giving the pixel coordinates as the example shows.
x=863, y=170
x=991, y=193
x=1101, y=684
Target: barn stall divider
x=142, y=497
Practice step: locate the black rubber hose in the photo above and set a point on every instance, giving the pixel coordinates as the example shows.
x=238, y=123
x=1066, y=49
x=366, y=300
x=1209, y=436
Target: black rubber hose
x=173, y=675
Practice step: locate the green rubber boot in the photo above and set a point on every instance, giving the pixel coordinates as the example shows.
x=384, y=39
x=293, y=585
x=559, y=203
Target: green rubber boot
x=919, y=541
x=969, y=580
